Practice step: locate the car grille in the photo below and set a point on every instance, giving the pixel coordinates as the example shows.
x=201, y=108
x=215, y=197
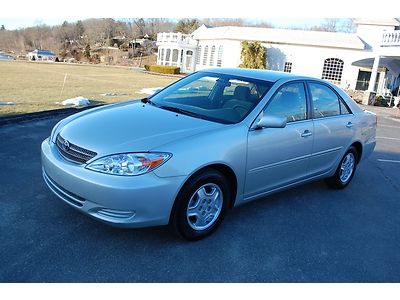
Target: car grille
x=73, y=152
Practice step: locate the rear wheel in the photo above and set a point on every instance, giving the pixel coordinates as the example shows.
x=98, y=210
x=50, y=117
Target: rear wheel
x=201, y=205
x=345, y=171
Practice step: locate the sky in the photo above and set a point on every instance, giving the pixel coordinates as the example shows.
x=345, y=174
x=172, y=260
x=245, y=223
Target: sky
x=18, y=23
x=282, y=13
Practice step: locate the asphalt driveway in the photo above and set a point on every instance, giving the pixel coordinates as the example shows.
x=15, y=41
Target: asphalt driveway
x=308, y=234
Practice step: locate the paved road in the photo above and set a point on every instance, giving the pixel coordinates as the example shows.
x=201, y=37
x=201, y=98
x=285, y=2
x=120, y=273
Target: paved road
x=309, y=234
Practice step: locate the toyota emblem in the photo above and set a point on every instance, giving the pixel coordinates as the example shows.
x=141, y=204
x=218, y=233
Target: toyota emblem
x=66, y=145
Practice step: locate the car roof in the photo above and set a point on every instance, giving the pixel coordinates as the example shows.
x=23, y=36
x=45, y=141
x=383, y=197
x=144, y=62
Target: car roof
x=266, y=75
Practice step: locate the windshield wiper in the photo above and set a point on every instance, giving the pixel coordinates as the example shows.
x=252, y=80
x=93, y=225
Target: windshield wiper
x=147, y=100
x=181, y=111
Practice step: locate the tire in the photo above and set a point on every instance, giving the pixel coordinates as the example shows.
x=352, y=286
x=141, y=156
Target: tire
x=345, y=171
x=201, y=205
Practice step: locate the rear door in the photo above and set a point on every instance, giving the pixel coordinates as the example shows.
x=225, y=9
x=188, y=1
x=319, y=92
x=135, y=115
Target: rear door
x=333, y=127
x=279, y=156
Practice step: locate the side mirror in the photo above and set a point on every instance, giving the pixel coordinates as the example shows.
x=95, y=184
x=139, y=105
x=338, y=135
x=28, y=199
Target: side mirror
x=271, y=122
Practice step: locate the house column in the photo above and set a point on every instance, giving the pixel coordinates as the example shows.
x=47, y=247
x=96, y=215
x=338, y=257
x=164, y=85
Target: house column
x=369, y=95
x=164, y=56
x=381, y=83
x=159, y=56
x=374, y=73
x=183, y=67
x=178, y=62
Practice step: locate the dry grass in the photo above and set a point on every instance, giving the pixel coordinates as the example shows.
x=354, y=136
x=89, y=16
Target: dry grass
x=37, y=86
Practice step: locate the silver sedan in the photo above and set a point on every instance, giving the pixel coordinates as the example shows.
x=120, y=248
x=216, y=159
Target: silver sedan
x=210, y=141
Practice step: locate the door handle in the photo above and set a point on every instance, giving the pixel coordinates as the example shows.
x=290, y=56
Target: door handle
x=306, y=133
x=349, y=125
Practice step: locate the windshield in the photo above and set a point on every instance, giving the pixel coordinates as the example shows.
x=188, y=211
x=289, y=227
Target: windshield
x=216, y=97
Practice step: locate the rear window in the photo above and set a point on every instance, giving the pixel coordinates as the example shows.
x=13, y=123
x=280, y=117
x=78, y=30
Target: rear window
x=325, y=101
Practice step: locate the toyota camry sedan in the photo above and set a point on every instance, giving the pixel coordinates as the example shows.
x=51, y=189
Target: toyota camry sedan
x=209, y=142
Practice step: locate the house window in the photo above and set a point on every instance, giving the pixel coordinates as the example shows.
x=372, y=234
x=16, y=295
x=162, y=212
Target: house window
x=167, y=57
x=333, y=69
x=198, y=55
x=162, y=56
x=219, y=57
x=288, y=67
x=363, y=80
x=189, y=55
x=212, y=54
x=175, y=56
x=205, y=55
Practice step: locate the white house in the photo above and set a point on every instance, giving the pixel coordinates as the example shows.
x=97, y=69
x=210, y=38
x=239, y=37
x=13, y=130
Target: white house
x=41, y=55
x=367, y=61
x=176, y=49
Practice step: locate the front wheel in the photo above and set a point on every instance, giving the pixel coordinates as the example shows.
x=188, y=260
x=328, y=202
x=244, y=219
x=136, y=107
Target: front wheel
x=345, y=171
x=201, y=205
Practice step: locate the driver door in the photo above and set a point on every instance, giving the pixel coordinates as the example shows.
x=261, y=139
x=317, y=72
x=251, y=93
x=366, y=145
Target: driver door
x=277, y=157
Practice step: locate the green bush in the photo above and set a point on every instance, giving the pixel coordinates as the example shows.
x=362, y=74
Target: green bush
x=253, y=55
x=163, y=69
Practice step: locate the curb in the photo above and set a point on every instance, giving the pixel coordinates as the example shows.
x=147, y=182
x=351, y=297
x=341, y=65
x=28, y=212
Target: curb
x=43, y=114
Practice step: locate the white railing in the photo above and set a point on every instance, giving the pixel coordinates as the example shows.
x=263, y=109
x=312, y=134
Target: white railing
x=171, y=37
x=391, y=38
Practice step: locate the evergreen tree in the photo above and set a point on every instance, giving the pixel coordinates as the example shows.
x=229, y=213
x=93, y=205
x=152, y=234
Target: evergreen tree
x=187, y=25
x=87, y=51
x=253, y=55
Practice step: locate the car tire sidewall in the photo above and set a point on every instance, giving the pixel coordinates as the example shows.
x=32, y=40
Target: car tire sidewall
x=179, y=218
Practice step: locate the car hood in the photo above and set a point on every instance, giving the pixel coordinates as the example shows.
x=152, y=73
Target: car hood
x=134, y=127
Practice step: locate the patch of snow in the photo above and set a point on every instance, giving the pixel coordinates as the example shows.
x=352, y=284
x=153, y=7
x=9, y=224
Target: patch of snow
x=149, y=91
x=7, y=103
x=77, y=101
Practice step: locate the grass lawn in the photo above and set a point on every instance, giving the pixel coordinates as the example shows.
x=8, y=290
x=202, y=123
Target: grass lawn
x=37, y=86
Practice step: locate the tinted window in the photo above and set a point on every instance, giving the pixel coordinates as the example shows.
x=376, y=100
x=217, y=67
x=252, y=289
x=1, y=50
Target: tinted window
x=325, y=101
x=290, y=102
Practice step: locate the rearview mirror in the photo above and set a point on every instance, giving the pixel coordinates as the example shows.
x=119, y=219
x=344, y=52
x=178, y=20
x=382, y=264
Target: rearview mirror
x=271, y=122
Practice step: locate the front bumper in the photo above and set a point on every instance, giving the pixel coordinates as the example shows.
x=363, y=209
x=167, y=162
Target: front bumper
x=124, y=201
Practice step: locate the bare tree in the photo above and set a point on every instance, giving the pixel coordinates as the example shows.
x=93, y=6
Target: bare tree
x=136, y=27
x=156, y=25
x=349, y=25
x=224, y=22
x=336, y=25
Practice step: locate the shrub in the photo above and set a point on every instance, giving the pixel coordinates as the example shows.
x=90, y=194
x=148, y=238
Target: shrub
x=381, y=101
x=253, y=55
x=163, y=69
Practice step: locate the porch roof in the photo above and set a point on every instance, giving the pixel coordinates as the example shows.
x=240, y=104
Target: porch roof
x=390, y=62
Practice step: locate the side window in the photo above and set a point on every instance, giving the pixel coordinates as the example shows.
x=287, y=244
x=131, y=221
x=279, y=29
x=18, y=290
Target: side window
x=325, y=101
x=344, y=110
x=290, y=102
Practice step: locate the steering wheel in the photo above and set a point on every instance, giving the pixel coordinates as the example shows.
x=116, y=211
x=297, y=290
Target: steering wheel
x=240, y=106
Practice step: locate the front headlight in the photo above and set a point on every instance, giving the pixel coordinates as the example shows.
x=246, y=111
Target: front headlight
x=129, y=164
